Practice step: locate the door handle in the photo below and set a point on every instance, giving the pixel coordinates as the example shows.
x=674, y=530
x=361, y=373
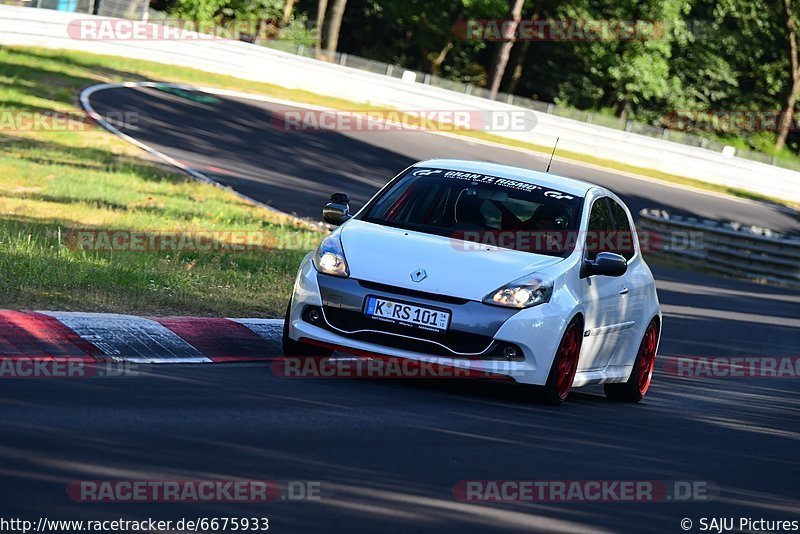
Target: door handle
x=623, y=290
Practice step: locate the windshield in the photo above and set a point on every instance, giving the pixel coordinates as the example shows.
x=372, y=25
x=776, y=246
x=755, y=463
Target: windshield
x=480, y=208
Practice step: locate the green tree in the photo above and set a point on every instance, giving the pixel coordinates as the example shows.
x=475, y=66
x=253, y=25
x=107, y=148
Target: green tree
x=631, y=71
x=754, y=36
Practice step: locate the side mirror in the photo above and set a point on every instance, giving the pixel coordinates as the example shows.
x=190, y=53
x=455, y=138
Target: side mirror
x=606, y=264
x=337, y=210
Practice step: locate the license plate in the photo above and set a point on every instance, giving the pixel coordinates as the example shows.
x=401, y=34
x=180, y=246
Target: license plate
x=407, y=314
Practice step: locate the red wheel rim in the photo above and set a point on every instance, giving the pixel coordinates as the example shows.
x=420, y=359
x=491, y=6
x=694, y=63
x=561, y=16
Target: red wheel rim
x=647, y=358
x=567, y=362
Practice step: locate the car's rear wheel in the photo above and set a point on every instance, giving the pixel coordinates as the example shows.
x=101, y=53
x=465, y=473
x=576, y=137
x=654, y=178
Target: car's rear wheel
x=296, y=349
x=565, y=364
x=638, y=383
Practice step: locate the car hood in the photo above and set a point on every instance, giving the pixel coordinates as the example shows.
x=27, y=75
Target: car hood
x=390, y=256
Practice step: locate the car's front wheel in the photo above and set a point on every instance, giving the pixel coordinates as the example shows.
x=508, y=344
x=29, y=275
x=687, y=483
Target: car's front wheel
x=295, y=349
x=637, y=385
x=565, y=364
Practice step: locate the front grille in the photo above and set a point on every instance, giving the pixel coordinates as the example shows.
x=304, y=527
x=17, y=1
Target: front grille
x=456, y=341
x=411, y=292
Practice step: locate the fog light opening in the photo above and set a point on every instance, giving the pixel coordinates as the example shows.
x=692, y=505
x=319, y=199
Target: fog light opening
x=510, y=352
x=313, y=315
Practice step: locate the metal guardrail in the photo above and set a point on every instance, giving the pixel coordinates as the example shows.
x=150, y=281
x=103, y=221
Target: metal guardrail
x=125, y=9
x=729, y=248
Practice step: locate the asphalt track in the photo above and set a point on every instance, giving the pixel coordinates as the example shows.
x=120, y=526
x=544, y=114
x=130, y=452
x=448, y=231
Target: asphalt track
x=391, y=451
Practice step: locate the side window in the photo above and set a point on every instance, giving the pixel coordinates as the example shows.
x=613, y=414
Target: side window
x=624, y=234
x=600, y=227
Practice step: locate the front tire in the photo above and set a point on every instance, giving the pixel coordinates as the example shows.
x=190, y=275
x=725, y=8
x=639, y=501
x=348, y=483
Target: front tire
x=565, y=364
x=295, y=349
x=638, y=383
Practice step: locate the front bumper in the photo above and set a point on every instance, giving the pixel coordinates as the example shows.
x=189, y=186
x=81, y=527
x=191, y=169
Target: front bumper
x=475, y=328
x=470, y=334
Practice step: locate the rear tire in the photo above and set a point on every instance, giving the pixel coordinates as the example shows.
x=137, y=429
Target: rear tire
x=296, y=349
x=565, y=363
x=638, y=383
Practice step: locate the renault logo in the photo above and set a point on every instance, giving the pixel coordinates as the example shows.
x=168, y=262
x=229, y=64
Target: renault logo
x=419, y=275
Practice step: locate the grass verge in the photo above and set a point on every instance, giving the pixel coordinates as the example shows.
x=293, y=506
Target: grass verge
x=54, y=184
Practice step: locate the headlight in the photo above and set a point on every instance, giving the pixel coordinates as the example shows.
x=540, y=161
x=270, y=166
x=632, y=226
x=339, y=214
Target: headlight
x=524, y=292
x=329, y=257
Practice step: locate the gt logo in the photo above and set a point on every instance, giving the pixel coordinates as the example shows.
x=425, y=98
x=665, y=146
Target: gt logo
x=557, y=195
x=427, y=172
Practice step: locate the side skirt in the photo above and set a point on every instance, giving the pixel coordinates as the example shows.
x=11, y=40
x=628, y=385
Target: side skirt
x=611, y=374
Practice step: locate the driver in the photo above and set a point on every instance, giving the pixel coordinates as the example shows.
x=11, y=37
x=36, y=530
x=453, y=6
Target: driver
x=550, y=217
x=549, y=222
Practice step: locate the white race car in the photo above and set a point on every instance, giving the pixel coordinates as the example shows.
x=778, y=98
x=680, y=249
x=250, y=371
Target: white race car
x=479, y=266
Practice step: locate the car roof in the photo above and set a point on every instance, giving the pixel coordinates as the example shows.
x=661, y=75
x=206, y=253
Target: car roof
x=552, y=181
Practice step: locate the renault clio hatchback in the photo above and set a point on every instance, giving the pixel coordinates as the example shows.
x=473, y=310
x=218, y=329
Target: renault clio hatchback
x=481, y=266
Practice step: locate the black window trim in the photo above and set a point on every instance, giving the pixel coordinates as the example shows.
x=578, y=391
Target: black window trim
x=628, y=223
x=589, y=222
x=611, y=217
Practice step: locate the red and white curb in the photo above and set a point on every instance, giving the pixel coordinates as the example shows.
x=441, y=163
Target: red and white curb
x=102, y=336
